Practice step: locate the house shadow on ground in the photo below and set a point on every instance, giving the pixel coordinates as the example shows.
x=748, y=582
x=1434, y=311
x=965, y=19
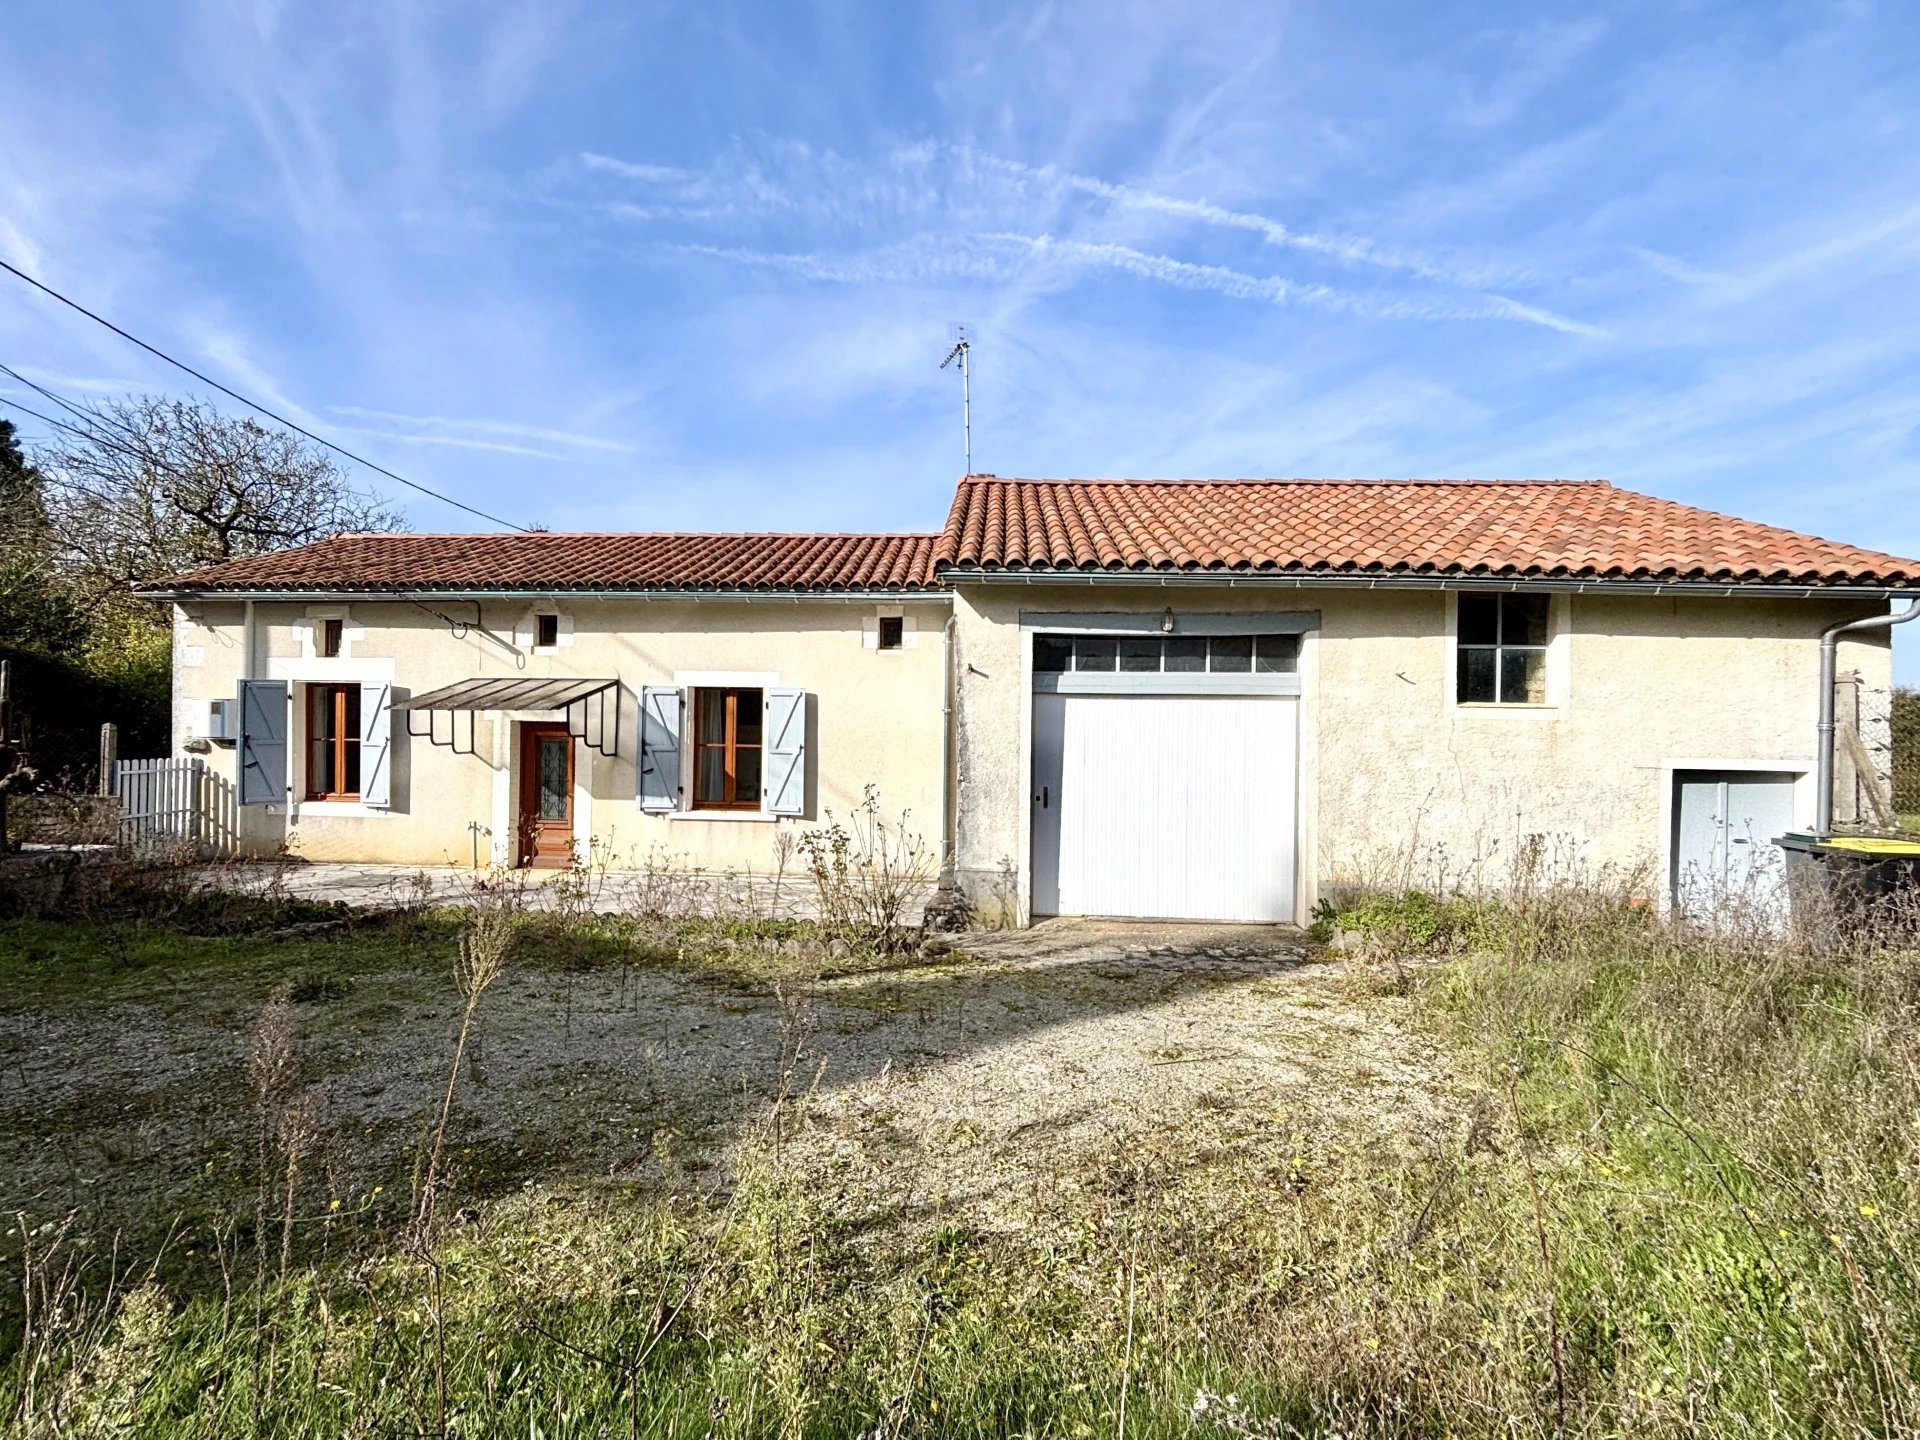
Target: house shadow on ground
x=638, y=1060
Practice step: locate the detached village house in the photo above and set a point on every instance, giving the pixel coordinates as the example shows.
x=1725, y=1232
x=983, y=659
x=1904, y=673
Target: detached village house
x=1175, y=699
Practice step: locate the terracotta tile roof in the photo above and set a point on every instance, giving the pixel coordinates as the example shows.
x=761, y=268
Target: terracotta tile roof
x=1537, y=528
x=549, y=561
x=1546, y=529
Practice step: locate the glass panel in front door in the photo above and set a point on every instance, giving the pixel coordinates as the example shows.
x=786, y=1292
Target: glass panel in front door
x=553, y=778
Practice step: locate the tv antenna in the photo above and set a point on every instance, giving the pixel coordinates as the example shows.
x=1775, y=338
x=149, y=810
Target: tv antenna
x=962, y=351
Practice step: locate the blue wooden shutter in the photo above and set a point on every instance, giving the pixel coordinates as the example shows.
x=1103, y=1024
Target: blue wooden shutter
x=263, y=742
x=786, y=752
x=659, y=782
x=376, y=726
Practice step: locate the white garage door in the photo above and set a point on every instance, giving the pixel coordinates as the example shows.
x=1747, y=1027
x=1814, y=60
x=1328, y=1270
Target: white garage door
x=1164, y=806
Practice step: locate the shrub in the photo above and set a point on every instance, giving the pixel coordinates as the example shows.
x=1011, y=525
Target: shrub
x=867, y=874
x=1906, y=756
x=1414, y=922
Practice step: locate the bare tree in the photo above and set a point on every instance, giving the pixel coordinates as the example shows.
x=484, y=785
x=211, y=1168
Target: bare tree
x=151, y=486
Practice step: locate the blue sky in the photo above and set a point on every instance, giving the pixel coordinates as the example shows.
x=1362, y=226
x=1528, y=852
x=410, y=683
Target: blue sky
x=692, y=265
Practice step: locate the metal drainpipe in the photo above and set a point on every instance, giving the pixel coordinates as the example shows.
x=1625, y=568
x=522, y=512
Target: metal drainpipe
x=947, y=807
x=1823, y=751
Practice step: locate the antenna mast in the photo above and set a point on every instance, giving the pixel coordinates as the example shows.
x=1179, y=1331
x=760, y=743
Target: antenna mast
x=962, y=351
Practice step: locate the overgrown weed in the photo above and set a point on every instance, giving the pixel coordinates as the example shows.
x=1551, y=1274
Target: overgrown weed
x=1676, y=1201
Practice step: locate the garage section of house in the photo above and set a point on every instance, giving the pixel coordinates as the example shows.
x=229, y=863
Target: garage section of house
x=1165, y=775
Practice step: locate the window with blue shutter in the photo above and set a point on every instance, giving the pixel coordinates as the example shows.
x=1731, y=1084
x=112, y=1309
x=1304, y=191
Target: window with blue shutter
x=376, y=734
x=263, y=742
x=660, y=718
x=786, y=752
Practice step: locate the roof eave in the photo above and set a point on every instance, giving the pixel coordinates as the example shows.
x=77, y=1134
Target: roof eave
x=870, y=593
x=1394, y=580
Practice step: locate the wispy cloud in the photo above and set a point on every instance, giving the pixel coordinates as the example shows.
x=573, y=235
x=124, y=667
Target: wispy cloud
x=448, y=430
x=1674, y=268
x=950, y=185
x=1352, y=249
x=924, y=261
x=231, y=352
x=1000, y=256
x=645, y=174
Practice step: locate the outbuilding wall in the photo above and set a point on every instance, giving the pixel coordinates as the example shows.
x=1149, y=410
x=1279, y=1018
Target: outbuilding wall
x=1400, y=784
x=873, y=716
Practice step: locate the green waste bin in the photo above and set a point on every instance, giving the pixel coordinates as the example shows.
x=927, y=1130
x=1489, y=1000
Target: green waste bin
x=1856, y=877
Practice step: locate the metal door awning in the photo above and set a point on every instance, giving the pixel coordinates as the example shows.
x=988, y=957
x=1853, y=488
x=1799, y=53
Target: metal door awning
x=586, y=703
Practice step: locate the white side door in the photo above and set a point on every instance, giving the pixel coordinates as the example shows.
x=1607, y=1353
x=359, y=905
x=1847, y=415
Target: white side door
x=1724, y=858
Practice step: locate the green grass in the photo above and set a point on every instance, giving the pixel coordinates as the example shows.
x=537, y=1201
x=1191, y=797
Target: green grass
x=1674, y=1197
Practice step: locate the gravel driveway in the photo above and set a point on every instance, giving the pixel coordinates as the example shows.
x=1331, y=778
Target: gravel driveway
x=971, y=1072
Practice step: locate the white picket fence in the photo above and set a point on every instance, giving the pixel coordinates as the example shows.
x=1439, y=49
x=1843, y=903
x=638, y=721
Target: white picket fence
x=169, y=803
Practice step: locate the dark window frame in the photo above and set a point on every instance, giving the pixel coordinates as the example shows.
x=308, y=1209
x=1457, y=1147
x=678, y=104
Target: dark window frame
x=732, y=698
x=893, y=632
x=1266, y=653
x=330, y=637
x=546, y=630
x=1500, y=648
x=332, y=740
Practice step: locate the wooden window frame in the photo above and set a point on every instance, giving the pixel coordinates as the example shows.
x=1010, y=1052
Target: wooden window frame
x=1500, y=649
x=339, y=706
x=892, y=633
x=730, y=747
x=329, y=636
x=544, y=621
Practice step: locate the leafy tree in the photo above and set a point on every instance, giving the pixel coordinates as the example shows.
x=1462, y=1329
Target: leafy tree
x=36, y=608
x=153, y=486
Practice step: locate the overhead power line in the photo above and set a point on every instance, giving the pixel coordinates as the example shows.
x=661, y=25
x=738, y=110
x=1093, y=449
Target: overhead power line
x=43, y=419
x=90, y=432
x=67, y=405
x=251, y=404
x=92, y=428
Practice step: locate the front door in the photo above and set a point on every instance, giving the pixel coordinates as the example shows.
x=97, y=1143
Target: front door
x=546, y=795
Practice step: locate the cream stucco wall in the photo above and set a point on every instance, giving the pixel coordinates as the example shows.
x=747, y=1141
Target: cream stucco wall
x=874, y=716
x=1392, y=769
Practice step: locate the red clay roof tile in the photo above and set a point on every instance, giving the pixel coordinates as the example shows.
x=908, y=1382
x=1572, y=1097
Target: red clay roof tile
x=1543, y=529
x=1494, y=528
x=547, y=561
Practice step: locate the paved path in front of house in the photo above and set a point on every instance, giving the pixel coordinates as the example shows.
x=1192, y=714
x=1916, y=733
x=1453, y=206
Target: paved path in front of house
x=388, y=887
x=1073, y=940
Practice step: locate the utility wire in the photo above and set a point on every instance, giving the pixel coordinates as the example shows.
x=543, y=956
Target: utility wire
x=93, y=428
x=43, y=419
x=93, y=437
x=272, y=415
x=67, y=405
